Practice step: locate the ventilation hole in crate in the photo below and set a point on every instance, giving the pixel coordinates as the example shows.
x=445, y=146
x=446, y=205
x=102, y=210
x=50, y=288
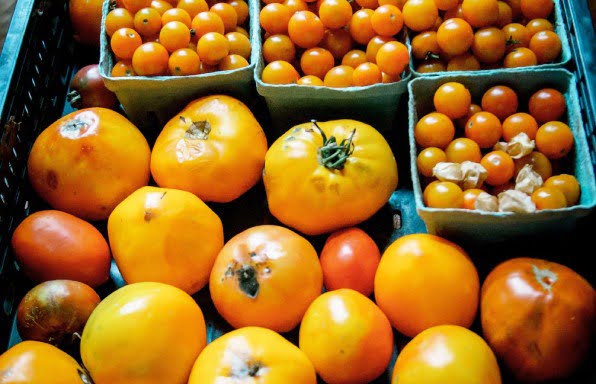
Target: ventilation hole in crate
x=3, y=199
x=26, y=112
x=396, y=219
x=6, y=183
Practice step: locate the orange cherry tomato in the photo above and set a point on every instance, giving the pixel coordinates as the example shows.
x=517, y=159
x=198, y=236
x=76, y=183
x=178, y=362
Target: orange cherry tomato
x=518, y=123
x=484, y=128
x=86, y=18
x=354, y=58
x=349, y=259
x=123, y=68
x=470, y=197
x=537, y=25
x=567, y=184
x=184, y=62
x=465, y=62
x=193, y=7
x=546, y=45
x=420, y=15
x=176, y=14
x=463, y=149
x=520, y=57
x=525, y=303
x=455, y=36
x=306, y=29
x=335, y=14
x=360, y=26
x=452, y=99
x=444, y=194
x=124, y=42
x=425, y=280
x=500, y=100
x=373, y=46
x=174, y=35
x=150, y=59
x=434, y=130
x=387, y=20
x=428, y=158
x=536, y=9
x=242, y=10
x=516, y=36
x=547, y=104
x=339, y=332
x=316, y=62
x=205, y=22
x=118, y=18
x=280, y=72
x=548, y=198
x=554, y=139
x=341, y=76
x=310, y=80
x=279, y=47
x=213, y=47
x=499, y=166
x=393, y=58
x=274, y=18
x=366, y=74
x=231, y=62
x=147, y=22
x=262, y=269
x=480, y=13
x=239, y=44
x=489, y=45
x=338, y=42
x=505, y=14
x=161, y=6
x=424, y=45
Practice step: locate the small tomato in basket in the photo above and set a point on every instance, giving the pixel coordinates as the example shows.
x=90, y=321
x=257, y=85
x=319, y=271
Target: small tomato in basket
x=214, y=148
x=323, y=176
x=87, y=89
x=55, y=310
x=34, y=362
x=539, y=317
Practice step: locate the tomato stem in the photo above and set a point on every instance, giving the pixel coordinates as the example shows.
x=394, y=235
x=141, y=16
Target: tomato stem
x=333, y=155
x=75, y=99
x=198, y=130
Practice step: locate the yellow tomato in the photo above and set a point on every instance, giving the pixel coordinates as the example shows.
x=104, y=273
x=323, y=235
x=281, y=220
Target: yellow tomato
x=34, y=362
x=165, y=235
x=323, y=176
x=252, y=355
x=214, y=148
x=446, y=354
x=347, y=337
x=143, y=333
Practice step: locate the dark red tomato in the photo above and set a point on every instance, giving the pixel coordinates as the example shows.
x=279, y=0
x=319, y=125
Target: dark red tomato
x=87, y=90
x=349, y=259
x=53, y=311
x=539, y=317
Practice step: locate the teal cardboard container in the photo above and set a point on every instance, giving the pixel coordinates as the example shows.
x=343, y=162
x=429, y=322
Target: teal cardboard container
x=478, y=226
x=154, y=100
x=558, y=22
x=293, y=104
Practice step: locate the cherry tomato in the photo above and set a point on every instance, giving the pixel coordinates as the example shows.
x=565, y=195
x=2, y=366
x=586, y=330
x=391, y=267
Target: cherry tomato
x=520, y=57
x=147, y=22
x=484, y=128
x=310, y=80
x=280, y=72
x=547, y=104
x=546, y=45
x=373, y=46
x=518, y=123
x=500, y=100
x=184, y=62
x=174, y=35
x=420, y=15
x=489, y=45
x=306, y=29
x=317, y=62
x=480, y=13
x=444, y=194
x=452, y=99
x=118, y=18
x=465, y=62
x=338, y=42
x=536, y=9
x=335, y=14
x=516, y=35
x=124, y=42
x=470, y=197
x=274, y=18
x=499, y=166
x=537, y=25
x=354, y=58
x=150, y=59
x=366, y=74
x=231, y=62
x=213, y=47
x=278, y=47
x=387, y=20
x=123, y=68
x=340, y=76
x=428, y=158
x=425, y=45
x=505, y=14
x=455, y=36
x=239, y=44
x=193, y=7
x=430, y=66
x=548, y=198
x=176, y=14
x=554, y=139
x=360, y=26
x=567, y=184
x=242, y=10
x=463, y=149
x=393, y=57
x=205, y=22
x=434, y=130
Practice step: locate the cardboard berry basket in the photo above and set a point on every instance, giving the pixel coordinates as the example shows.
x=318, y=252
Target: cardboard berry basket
x=293, y=104
x=154, y=100
x=561, y=29
x=500, y=226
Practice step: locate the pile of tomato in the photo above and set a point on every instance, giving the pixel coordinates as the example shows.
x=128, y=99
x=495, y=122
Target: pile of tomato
x=452, y=35
x=460, y=131
x=332, y=43
x=178, y=38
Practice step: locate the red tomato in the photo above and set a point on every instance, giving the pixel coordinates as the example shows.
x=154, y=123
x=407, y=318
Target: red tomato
x=539, y=317
x=349, y=259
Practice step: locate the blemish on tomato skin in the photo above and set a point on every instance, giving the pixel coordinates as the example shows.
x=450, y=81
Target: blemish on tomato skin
x=52, y=179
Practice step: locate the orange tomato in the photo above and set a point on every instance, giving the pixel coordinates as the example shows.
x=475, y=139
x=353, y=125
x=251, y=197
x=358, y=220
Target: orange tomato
x=214, y=148
x=51, y=245
x=424, y=280
x=567, y=184
x=34, y=362
x=251, y=354
x=539, y=317
x=165, y=235
x=88, y=161
x=261, y=270
x=148, y=333
x=446, y=354
x=554, y=139
x=85, y=17
x=347, y=337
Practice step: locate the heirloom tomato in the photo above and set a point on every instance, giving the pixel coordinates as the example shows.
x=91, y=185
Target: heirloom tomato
x=88, y=161
x=51, y=244
x=250, y=355
x=539, y=317
x=347, y=337
x=165, y=235
x=424, y=280
x=266, y=276
x=324, y=176
x=446, y=354
x=214, y=148
x=85, y=17
x=87, y=89
x=34, y=362
x=148, y=333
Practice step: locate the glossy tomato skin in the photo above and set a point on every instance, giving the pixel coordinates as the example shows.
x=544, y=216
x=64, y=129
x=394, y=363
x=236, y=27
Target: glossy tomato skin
x=51, y=244
x=266, y=276
x=149, y=333
x=347, y=337
x=539, y=317
x=312, y=196
x=165, y=235
x=258, y=352
x=34, y=362
x=349, y=259
x=214, y=148
x=85, y=16
x=87, y=89
x=446, y=354
x=88, y=161
x=54, y=310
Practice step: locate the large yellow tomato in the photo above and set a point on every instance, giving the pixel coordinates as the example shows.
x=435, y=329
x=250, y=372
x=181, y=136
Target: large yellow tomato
x=266, y=276
x=88, y=161
x=34, y=362
x=252, y=355
x=165, y=235
x=143, y=333
x=446, y=354
x=347, y=337
x=324, y=176
x=424, y=280
x=214, y=148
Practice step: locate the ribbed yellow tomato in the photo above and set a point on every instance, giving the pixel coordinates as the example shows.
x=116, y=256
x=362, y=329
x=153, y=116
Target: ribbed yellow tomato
x=143, y=333
x=323, y=176
x=252, y=355
x=214, y=148
x=165, y=235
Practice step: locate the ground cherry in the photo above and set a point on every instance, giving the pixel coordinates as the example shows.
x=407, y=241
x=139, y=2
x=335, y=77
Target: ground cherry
x=452, y=99
x=444, y=194
x=484, y=128
x=540, y=164
x=470, y=196
x=463, y=149
x=499, y=167
x=434, y=130
x=150, y=59
x=428, y=158
x=280, y=72
x=554, y=139
x=548, y=198
x=567, y=184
